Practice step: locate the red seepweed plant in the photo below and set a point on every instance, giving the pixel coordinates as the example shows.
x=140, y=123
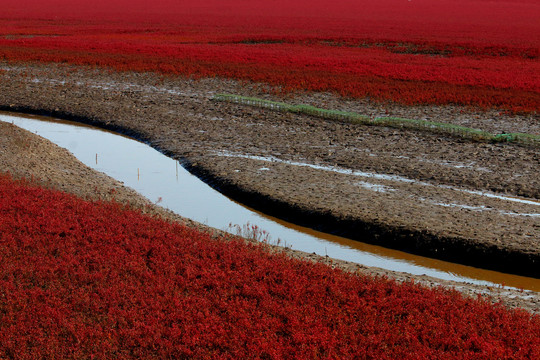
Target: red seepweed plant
x=82, y=279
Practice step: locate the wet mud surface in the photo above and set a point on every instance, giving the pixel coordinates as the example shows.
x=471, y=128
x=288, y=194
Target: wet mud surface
x=410, y=190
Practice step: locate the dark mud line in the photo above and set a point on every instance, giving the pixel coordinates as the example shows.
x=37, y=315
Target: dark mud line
x=417, y=242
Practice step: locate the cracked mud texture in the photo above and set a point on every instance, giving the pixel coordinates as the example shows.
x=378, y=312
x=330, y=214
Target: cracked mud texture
x=178, y=117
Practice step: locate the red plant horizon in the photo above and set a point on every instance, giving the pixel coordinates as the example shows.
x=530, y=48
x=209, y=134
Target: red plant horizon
x=473, y=53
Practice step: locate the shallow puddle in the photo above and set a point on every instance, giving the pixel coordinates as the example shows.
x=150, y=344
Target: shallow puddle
x=164, y=181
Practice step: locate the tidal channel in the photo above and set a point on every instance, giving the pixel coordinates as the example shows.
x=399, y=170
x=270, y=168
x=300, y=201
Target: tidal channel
x=164, y=181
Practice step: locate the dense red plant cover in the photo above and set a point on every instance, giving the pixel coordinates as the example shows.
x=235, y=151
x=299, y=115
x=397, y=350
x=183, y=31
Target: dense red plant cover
x=80, y=279
x=474, y=52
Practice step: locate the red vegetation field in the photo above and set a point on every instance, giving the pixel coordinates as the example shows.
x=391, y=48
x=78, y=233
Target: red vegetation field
x=474, y=52
x=92, y=280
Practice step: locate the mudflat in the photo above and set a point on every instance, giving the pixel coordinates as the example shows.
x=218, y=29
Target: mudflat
x=470, y=202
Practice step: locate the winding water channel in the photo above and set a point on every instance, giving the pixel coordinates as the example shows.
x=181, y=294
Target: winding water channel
x=162, y=179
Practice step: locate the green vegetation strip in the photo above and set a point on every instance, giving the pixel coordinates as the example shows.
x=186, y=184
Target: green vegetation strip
x=394, y=122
